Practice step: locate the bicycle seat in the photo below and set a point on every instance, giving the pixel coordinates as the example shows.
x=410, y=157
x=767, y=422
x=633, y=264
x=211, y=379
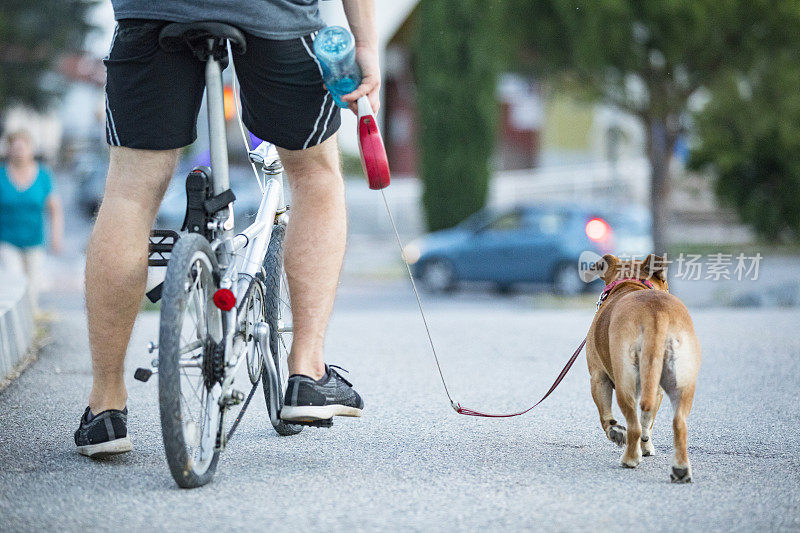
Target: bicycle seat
x=177, y=36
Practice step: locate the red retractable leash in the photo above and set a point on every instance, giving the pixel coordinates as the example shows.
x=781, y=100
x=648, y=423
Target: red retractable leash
x=376, y=169
x=370, y=143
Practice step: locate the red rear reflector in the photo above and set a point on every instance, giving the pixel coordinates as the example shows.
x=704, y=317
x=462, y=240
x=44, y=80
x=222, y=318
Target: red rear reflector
x=598, y=229
x=224, y=299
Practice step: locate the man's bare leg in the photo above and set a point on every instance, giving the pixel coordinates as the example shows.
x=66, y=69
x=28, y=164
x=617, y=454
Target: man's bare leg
x=315, y=243
x=116, y=263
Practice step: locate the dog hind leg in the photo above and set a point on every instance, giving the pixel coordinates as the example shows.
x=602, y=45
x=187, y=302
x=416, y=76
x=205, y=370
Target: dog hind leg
x=633, y=453
x=648, y=419
x=601, y=393
x=682, y=404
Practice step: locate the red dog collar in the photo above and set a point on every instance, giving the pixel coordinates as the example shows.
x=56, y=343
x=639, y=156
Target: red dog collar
x=610, y=287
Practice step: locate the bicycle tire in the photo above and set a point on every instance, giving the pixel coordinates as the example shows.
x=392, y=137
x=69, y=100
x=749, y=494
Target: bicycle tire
x=273, y=268
x=185, y=469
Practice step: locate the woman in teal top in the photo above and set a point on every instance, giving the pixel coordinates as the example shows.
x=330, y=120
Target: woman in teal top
x=26, y=189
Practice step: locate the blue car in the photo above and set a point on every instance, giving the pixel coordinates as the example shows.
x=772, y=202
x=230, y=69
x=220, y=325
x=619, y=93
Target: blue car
x=527, y=244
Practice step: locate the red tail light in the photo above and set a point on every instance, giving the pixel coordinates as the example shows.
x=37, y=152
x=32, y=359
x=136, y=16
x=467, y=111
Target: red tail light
x=598, y=230
x=224, y=299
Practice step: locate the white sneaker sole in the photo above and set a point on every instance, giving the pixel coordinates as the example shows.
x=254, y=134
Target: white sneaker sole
x=310, y=413
x=106, y=448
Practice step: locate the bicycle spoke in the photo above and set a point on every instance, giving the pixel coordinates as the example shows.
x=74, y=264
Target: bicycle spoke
x=283, y=342
x=202, y=424
x=284, y=294
x=185, y=404
x=284, y=304
x=199, y=309
x=193, y=310
x=194, y=387
x=191, y=346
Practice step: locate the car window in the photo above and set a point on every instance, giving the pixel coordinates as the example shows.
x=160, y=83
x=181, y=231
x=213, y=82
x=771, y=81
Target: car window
x=477, y=220
x=507, y=222
x=546, y=223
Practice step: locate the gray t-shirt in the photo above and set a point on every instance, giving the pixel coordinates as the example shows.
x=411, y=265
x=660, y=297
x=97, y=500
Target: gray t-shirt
x=271, y=19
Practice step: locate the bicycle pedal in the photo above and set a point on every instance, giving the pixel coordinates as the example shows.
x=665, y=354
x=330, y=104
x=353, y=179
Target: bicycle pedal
x=143, y=374
x=161, y=243
x=324, y=423
x=154, y=294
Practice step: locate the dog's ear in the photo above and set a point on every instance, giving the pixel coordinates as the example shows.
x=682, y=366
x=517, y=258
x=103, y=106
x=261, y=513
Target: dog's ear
x=606, y=267
x=654, y=266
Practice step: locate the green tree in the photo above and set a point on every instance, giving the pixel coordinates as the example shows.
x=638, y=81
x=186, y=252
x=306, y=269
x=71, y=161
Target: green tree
x=649, y=57
x=749, y=136
x=33, y=36
x=456, y=63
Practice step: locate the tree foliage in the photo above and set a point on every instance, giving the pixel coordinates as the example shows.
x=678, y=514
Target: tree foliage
x=33, y=35
x=456, y=65
x=649, y=57
x=749, y=135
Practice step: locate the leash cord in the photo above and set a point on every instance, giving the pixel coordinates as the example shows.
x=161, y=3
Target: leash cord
x=470, y=412
x=455, y=405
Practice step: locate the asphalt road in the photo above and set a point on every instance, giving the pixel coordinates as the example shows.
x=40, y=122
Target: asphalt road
x=411, y=463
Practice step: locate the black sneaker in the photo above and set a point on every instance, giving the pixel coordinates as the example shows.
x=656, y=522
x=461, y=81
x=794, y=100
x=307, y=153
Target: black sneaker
x=308, y=400
x=103, y=434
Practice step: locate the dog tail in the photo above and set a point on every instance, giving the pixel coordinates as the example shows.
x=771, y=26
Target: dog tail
x=651, y=362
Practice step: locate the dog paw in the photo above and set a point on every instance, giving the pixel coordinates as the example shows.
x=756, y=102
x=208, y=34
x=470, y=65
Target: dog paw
x=630, y=462
x=681, y=474
x=648, y=450
x=617, y=434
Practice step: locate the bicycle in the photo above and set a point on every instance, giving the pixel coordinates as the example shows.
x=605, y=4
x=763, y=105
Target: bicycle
x=224, y=296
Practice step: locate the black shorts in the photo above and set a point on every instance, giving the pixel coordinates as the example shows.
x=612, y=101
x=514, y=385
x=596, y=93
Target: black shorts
x=153, y=97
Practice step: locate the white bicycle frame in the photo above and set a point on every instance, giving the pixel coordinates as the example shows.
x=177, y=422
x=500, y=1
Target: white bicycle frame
x=238, y=269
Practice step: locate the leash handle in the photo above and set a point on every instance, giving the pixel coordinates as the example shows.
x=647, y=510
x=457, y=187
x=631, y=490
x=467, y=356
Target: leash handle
x=370, y=143
x=471, y=412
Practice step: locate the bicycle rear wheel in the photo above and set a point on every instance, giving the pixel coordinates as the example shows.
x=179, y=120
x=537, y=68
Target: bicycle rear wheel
x=278, y=314
x=189, y=365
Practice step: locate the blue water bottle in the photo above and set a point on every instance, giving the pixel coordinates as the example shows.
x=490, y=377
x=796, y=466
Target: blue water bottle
x=335, y=49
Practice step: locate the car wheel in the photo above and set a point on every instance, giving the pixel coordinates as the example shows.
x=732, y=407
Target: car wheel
x=566, y=280
x=438, y=275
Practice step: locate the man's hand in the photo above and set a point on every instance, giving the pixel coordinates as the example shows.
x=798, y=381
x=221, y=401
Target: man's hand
x=367, y=59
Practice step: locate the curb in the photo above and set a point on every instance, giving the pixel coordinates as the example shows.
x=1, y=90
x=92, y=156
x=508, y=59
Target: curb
x=17, y=328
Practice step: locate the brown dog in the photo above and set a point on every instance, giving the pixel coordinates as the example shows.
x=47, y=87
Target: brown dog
x=642, y=343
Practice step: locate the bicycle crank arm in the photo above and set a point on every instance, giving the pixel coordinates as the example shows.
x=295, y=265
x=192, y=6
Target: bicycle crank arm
x=261, y=334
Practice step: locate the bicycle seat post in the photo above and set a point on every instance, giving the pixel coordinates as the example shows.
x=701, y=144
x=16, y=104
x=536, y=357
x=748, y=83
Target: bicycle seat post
x=216, y=127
